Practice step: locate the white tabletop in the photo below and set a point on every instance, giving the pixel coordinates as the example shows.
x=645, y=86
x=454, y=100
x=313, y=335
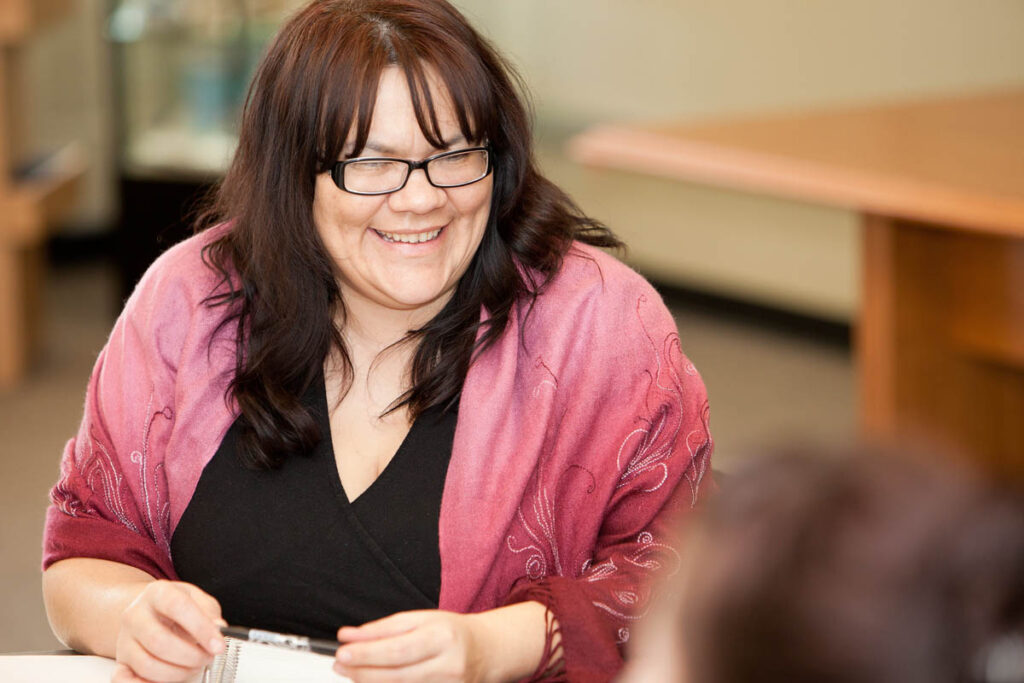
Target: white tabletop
x=55, y=669
x=255, y=663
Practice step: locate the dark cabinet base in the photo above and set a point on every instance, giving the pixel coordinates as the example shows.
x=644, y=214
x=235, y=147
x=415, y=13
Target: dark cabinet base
x=155, y=214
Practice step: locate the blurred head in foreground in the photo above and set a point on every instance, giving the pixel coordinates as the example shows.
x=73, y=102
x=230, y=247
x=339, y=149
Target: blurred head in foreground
x=864, y=568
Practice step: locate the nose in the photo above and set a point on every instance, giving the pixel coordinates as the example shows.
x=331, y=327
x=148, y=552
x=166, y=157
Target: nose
x=418, y=195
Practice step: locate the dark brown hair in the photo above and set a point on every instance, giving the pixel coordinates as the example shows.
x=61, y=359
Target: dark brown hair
x=316, y=85
x=861, y=567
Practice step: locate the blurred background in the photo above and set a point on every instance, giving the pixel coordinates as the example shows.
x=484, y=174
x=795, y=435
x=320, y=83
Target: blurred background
x=115, y=116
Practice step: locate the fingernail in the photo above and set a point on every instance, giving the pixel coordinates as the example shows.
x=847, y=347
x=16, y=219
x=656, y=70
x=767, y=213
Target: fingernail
x=216, y=645
x=344, y=656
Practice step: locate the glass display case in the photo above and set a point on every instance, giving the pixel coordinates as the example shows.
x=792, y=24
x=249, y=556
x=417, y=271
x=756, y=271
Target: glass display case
x=183, y=67
x=181, y=72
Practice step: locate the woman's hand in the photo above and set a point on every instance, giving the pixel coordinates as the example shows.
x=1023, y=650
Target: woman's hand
x=168, y=634
x=432, y=645
x=412, y=646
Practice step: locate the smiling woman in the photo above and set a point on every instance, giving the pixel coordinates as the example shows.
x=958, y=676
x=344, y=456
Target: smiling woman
x=390, y=393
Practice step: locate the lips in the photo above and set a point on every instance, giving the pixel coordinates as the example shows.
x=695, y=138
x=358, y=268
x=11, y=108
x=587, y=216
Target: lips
x=409, y=238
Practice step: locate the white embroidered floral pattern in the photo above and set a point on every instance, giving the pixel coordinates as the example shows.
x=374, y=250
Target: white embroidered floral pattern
x=631, y=604
x=648, y=447
x=699, y=445
x=643, y=459
x=102, y=475
x=542, y=535
x=95, y=469
x=155, y=505
x=548, y=381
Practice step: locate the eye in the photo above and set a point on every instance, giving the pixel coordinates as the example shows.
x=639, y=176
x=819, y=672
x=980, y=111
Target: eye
x=462, y=157
x=372, y=166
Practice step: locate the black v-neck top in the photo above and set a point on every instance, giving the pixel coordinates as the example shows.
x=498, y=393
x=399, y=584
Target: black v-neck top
x=286, y=550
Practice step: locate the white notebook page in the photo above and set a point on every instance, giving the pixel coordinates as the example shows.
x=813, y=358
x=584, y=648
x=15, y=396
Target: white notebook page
x=245, y=662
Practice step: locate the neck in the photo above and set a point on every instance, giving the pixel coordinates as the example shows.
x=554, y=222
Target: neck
x=380, y=368
x=371, y=328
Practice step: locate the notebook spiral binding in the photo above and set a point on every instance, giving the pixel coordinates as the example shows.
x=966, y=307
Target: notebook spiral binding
x=224, y=667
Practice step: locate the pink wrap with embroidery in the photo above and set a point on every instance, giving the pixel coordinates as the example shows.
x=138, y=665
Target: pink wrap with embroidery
x=581, y=434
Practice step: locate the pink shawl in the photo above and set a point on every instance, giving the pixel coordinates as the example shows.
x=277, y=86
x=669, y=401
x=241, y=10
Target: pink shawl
x=581, y=434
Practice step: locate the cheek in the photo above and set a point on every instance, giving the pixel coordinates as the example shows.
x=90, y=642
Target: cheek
x=475, y=206
x=335, y=211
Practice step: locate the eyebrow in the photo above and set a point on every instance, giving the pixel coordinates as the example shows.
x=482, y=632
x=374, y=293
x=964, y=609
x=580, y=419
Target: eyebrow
x=387, y=150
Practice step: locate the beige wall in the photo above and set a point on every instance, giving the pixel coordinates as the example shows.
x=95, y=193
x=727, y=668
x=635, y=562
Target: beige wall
x=589, y=60
x=65, y=96
x=594, y=60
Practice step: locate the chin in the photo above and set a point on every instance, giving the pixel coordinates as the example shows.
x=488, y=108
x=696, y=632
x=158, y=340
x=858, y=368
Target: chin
x=414, y=292
x=412, y=301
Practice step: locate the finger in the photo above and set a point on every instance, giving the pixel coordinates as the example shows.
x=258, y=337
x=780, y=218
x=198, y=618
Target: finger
x=167, y=641
x=145, y=665
x=387, y=627
x=206, y=602
x=178, y=606
x=428, y=670
x=122, y=674
x=405, y=649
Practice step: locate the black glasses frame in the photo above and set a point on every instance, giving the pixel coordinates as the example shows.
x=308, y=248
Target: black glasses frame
x=338, y=170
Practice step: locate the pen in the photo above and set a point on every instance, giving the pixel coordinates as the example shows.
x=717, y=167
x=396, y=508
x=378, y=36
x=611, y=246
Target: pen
x=287, y=640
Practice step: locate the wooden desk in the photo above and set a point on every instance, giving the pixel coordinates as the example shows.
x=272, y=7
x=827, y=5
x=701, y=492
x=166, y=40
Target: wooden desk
x=940, y=187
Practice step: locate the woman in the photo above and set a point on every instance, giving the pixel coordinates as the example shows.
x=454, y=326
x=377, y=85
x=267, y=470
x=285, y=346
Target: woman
x=394, y=389
x=852, y=567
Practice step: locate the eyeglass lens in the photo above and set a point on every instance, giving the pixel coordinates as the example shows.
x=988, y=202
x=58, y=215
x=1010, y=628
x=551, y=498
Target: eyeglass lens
x=448, y=170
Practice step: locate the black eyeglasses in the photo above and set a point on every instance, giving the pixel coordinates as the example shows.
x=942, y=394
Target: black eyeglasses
x=383, y=175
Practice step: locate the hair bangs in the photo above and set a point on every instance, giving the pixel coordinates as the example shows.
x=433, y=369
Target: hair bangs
x=437, y=66
x=469, y=88
x=467, y=85
x=358, y=60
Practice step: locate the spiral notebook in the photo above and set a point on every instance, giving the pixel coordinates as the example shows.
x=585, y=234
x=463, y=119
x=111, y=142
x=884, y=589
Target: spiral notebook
x=247, y=662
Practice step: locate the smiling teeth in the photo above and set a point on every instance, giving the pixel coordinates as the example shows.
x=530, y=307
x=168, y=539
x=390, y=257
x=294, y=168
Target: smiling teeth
x=409, y=239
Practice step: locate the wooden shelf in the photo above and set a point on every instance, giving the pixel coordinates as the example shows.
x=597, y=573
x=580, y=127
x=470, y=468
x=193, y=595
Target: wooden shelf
x=20, y=18
x=30, y=202
x=33, y=204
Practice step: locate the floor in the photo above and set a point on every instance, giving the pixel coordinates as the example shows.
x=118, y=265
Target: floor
x=767, y=384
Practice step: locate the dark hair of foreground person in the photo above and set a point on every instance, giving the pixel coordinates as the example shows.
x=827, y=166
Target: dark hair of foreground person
x=869, y=567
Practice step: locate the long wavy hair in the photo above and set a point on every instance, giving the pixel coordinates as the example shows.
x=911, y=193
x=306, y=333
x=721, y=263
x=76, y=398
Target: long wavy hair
x=314, y=90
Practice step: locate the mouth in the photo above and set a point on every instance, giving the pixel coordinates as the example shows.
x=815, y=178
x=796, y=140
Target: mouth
x=409, y=238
